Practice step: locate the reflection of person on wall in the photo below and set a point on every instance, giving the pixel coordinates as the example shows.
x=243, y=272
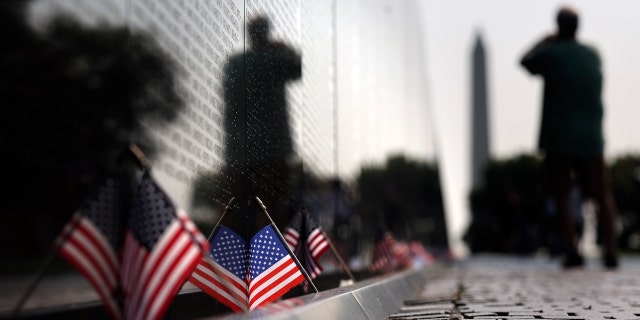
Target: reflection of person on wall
x=571, y=134
x=258, y=146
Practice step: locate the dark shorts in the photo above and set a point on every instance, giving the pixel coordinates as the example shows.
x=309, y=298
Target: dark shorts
x=561, y=172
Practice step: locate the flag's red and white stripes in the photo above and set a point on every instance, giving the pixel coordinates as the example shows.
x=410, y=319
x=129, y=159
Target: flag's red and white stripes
x=402, y=253
x=86, y=248
x=384, y=259
x=292, y=236
x=193, y=229
x=274, y=282
x=420, y=254
x=221, y=284
x=317, y=242
x=151, y=279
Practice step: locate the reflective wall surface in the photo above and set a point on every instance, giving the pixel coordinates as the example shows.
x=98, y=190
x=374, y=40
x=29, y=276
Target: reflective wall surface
x=304, y=104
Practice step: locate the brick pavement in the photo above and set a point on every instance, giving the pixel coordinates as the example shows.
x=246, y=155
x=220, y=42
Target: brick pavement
x=494, y=287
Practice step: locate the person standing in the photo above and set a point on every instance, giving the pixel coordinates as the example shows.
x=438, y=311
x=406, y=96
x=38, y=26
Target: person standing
x=571, y=135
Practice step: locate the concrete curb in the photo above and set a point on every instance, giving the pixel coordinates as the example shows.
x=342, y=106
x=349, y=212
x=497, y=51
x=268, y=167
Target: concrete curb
x=372, y=299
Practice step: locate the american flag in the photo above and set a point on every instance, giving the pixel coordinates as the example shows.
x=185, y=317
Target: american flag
x=160, y=252
x=420, y=254
x=383, y=258
x=244, y=278
x=272, y=272
x=402, y=252
x=223, y=275
x=305, y=237
x=90, y=243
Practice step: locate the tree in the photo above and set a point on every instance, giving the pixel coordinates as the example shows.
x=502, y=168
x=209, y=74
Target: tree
x=511, y=213
x=507, y=210
x=73, y=99
x=625, y=180
x=405, y=196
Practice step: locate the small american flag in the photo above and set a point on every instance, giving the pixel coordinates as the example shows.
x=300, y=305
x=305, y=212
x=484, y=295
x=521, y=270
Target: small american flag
x=402, y=252
x=383, y=258
x=420, y=254
x=305, y=237
x=244, y=278
x=223, y=275
x=272, y=272
x=90, y=243
x=160, y=252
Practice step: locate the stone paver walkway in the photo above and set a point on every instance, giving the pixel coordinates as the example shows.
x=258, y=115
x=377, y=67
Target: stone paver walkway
x=494, y=287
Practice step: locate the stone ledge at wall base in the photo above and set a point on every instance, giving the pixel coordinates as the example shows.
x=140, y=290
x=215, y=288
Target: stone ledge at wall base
x=370, y=299
x=373, y=298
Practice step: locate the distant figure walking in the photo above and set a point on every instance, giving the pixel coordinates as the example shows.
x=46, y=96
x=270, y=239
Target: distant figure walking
x=258, y=142
x=571, y=135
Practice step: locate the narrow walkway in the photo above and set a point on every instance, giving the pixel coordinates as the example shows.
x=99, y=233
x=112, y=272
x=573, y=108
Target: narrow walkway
x=495, y=287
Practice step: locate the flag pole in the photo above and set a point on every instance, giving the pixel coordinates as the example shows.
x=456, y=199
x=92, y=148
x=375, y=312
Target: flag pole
x=215, y=228
x=284, y=242
x=34, y=283
x=44, y=269
x=226, y=209
x=344, y=266
x=143, y=161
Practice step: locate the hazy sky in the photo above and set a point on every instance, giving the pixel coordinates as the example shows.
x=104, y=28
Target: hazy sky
x=508, y=28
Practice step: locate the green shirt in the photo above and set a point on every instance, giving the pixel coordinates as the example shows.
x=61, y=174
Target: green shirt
x=572, y=107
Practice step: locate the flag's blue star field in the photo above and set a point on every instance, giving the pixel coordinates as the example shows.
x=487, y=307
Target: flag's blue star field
x=229, y=250
x=105, y=211
x=152, y=212
x=266, y=250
